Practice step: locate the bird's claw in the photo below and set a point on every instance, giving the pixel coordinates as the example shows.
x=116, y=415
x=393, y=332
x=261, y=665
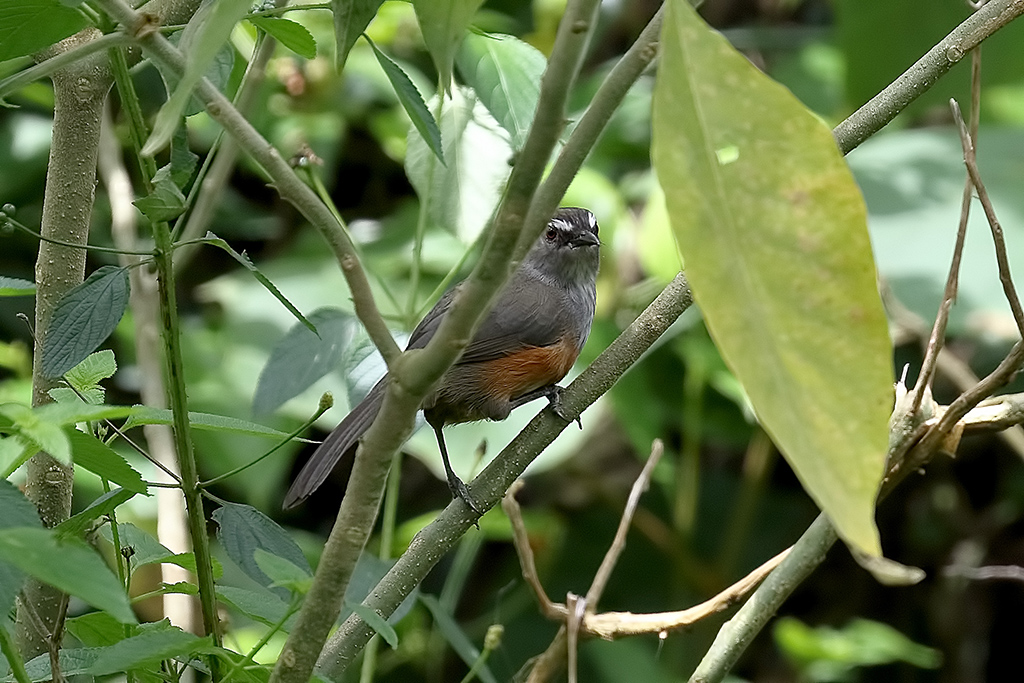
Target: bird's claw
x=555, y=401
x=461, y=491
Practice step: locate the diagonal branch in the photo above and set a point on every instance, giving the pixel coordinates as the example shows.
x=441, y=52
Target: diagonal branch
x=920, y=77
x=604, y=572
x=287, y=183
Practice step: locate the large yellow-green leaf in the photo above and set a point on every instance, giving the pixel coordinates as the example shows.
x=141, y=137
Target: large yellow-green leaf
x=773, y=231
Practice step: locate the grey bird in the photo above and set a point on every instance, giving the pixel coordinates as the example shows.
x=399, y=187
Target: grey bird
x=522, y=348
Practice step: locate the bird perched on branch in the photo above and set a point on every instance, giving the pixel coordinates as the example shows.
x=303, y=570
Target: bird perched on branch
x=522, y=348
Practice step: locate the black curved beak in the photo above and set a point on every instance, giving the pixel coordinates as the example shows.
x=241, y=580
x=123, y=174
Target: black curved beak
x=584, y=239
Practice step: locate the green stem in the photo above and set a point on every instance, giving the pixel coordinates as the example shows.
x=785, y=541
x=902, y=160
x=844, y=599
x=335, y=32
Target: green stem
x=13, y=656
x=64, y=243
x=261, y=643
x=278, y=11
x=137, y=130
x=411, y=312
x=57, y=62
x=175, y=383
x=173, y=367
x=323, y=408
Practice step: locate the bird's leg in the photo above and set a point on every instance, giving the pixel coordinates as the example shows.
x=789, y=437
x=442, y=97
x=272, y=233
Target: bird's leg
x=455, y=485
x=553, y=393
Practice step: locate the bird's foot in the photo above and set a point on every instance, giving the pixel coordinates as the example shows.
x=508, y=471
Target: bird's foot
x=555, y=401
x=461, y=491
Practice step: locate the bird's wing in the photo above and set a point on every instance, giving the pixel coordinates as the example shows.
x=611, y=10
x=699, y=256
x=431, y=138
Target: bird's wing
x=529, y=313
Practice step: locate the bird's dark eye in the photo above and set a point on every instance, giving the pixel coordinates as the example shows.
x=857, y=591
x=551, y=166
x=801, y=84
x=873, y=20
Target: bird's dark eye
x=551, y=234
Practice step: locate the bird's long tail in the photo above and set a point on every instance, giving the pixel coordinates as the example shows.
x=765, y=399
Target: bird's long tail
x=339, y=443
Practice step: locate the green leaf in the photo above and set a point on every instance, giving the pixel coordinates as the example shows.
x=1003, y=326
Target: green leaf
x=376, y=622
x=292, y=35
x=146, y=415
x=69, y=414
x=862, y=642
x=15, y=511
x=505, y=73
x=73, y=662
x=242, y=258
x=93, y=397
x=15, y=286
x=13, y=452
x=85, y=316
x=94, y=369
x=145, y=549
x=183, y=160
x=201, y=40
x=461, y=195
x=27, y=26
x=456, y=637
x=774, y=234
x=104, y=505
x=147, y=649
x=244, y=529
x=260, y=603
x=282, y=572
x=96, y=629
x=351, y=17
x=411, y=101
x=443, y=24
x=67, y=564
x=104, y=461
x=301, y=358
x=165, y=201
x=33, y=426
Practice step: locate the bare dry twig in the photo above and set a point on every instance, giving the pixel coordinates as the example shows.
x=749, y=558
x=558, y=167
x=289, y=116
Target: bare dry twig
x=579, y=615
x=1002, y=260
x=619, y=542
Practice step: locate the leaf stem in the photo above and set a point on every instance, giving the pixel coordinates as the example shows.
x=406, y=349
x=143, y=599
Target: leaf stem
x=321, y=409
x=10, y=651
x=64, y=243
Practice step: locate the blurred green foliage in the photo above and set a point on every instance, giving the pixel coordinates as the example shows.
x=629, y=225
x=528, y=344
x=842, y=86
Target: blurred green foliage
x=722, y=501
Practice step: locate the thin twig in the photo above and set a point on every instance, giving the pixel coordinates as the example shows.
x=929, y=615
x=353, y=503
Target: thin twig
x=521, y=541
x=1002, y=260
x=619, y=542
x=938, y=335
x=957, y=371
x=576, y=607
x=617, y=624
x=546, y=665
